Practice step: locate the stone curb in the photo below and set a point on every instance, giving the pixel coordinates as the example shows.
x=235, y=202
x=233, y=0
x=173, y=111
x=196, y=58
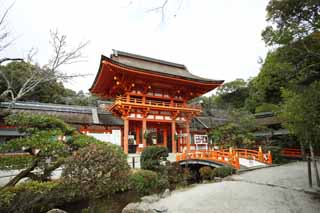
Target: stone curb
x=256, y=168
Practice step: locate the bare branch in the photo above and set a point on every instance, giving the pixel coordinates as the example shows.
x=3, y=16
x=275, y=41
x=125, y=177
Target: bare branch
x=31, y=54
x=2, y=60
x=160, y=8
x=4, y=34
x=61, y=55
x=51, y=72
x=3, y=17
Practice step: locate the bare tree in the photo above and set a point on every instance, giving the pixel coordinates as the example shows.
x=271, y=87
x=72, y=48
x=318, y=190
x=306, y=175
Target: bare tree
x=50, y=72
x=5, y=38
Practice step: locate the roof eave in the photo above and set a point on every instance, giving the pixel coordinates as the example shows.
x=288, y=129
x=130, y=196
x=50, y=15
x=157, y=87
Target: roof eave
x=209, y=81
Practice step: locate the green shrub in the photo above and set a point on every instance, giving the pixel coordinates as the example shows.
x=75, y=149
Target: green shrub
x=276, y=154
x=175, y=175
x=34, y=196
x=190, y=176
x=144, y=181
x=205, y=173
x=51, y=138
x=222, y=172
x=46, y=141
x=30, y=123
x=99, y=169
x=163, y=182
x=187, y=176
x=267, y=107
x=152, y=156
x=80, y=141
x=15, y=162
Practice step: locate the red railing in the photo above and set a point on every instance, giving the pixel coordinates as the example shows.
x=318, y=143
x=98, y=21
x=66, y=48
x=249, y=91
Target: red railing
x=254, y=155
x=293, y=153
x=227, y=156
x=219, y=156
x=157, y=103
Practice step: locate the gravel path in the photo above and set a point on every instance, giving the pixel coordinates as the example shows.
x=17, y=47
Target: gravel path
x=275, y=189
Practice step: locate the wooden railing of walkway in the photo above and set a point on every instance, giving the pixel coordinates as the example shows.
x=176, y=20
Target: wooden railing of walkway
x=227, y=156
x=210, y=155
x=137, y=102
x=293, y=153
x=254, y=155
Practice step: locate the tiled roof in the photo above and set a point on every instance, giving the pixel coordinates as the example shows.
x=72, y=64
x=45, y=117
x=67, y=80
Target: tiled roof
x=157, y=66
x=69, y=113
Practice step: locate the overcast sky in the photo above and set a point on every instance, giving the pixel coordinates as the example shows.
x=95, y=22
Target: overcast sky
x=217, y=39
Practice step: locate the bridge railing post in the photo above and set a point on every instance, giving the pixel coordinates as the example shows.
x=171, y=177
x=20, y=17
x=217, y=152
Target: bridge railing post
x=269, y=157
x=230, y=157
x=260, y=154
x=237, y=162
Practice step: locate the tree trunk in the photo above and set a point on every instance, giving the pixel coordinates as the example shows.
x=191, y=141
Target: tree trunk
x=309, y=171
x=302, y=150
x=22, y=174
x=47, y=171
x=314, y=164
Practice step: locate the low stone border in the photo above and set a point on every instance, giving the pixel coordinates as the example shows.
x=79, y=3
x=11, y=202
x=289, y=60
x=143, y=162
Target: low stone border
x=256, y=168
x=146, y=204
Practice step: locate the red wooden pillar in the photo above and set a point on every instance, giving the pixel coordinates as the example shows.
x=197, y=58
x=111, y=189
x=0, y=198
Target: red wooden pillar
x=188, y=135
x=137, y=138
x=144, y=129
x=179, y=141
x=138, y=135
x=158, y=130
x=173, y=131
x=125, y=135
x=165, y=135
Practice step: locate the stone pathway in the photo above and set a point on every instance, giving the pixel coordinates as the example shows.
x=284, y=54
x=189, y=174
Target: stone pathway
x=276, y=189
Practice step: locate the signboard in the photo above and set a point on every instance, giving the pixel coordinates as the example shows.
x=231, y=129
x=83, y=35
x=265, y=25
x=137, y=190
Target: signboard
x=200, y=139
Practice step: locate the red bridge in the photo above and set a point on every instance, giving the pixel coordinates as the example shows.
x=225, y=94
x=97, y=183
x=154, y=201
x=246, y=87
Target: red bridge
x=226, y=156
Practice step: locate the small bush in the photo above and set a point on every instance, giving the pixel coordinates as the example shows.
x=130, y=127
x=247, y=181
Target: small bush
x=276, y=154
x=187, y=176
x=163, y=182
x=34, y=196
x=143, y=181
x=222, y=172
x=175, y=175
x=205, y=173
x=99, y=169
x=152, y=156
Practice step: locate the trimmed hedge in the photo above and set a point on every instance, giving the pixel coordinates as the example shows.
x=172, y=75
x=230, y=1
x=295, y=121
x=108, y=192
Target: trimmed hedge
x=205, y=173
x=99, y=169
x=176, y=175
x=144, y=182
x=35, y=196
x=152, y=156
x=222, y=172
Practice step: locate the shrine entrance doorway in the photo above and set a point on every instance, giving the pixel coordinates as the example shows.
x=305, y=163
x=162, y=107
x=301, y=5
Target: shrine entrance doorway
x=156, y=134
